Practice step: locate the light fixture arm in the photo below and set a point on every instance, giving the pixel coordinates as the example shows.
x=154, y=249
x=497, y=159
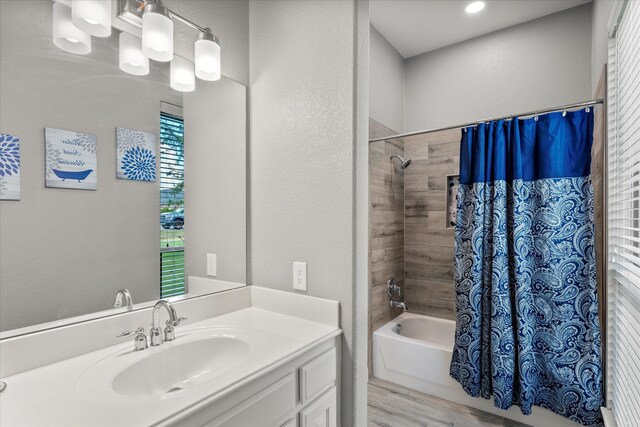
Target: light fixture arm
x=186, y=21
x=172, y=14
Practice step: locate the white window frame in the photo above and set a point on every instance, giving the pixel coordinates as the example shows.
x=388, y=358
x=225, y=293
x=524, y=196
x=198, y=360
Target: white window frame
x=623, y=212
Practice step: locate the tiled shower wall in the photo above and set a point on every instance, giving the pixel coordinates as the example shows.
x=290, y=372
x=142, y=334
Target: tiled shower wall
x=428, y=243
x=386, y=225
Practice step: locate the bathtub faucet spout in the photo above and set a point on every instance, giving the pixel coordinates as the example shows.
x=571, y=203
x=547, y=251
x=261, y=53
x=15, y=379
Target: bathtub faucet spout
x=398, y=304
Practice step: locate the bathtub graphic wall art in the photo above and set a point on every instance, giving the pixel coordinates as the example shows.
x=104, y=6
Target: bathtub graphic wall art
x=136, y=155
x=9, y=167
x=70, y=160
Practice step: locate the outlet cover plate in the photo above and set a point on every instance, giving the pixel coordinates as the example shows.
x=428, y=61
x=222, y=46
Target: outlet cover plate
x=300, y=276
x=212, y=265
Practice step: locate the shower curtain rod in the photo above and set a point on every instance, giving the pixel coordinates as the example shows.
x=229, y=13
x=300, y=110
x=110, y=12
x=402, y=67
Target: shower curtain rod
x=530, y=113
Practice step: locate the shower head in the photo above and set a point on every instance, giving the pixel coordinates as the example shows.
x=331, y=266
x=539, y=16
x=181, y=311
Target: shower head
x=404, y=163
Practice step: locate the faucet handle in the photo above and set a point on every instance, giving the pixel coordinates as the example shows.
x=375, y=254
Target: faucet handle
x=140, y=330
x=140, y=340
x=169, y=331
x=176, y=322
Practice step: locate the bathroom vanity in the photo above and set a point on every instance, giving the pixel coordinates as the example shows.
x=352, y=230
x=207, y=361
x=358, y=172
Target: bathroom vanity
x=245, y=357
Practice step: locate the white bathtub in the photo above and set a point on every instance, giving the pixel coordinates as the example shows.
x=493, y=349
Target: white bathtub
x=415, y=351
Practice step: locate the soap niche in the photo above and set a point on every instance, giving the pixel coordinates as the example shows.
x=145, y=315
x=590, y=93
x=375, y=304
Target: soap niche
x=453, y=182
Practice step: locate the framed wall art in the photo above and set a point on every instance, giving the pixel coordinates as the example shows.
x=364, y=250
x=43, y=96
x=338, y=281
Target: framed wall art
x=70, y=160
x=136, y=155
x=9, y=167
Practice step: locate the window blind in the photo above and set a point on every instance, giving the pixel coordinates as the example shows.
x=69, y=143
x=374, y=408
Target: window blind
x=171, y=202
x=623, y=160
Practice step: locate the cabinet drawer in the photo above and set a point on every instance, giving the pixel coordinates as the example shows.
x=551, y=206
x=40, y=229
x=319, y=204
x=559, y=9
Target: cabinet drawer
x=322, y=412
x=317, y=375
x=273, y=406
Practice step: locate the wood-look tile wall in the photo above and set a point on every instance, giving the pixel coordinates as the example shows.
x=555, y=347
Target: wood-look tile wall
x=428, y=244
x=386, y=225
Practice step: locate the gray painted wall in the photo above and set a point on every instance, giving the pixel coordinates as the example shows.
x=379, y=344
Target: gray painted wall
x=386, y=66
x=538, y=64
x=303, y=127
x=599, y=38
x=216, y=179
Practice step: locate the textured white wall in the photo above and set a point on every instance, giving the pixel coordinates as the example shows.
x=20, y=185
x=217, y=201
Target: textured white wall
x=228, y=19
x=386, y=67
x=361, y=219
x=538, y=64
x=302, y=160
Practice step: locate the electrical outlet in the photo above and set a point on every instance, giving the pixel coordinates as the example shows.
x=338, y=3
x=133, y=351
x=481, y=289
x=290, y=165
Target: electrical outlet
x=300, y=276
x=212, y=265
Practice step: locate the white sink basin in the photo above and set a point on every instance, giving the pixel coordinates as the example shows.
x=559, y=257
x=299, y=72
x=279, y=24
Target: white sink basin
x=171, y=369
x=179, y=366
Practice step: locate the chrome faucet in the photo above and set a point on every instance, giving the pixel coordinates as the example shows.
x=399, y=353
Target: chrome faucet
x=394, y=292
x=123, y=294
x=155, y=334
x=398, y=304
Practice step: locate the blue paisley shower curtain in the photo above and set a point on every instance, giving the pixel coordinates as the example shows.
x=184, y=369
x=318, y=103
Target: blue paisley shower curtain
x=527, y=329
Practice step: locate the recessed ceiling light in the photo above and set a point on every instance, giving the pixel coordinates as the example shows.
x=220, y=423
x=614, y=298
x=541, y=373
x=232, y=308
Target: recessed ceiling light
x=474, y=7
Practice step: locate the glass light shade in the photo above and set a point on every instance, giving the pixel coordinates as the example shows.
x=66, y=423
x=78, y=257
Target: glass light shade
x=474, y=7
x=207, y=55
x=92, y=16
x=157, y=34
x=182, y=76
x=66, y=35
x=132, y=60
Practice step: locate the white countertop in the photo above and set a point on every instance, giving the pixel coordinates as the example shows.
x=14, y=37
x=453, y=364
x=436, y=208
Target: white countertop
x=59, y=394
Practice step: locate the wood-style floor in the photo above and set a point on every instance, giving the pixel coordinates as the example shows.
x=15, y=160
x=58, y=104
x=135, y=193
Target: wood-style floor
x=391, y=405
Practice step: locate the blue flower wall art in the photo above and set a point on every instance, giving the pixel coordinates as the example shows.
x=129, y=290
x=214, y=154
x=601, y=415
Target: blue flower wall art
x=136, y=153
x=139, y=164
x=71, y=160
x=9, y=167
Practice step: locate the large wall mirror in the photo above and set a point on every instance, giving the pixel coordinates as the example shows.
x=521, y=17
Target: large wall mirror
x=65, y=251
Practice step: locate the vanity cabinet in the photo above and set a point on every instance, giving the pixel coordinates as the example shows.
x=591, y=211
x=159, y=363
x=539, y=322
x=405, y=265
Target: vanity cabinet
x=272, y=406
x=322, y=412
x=301, y=392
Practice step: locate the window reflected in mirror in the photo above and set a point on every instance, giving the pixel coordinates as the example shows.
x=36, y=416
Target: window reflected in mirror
x=171, y=205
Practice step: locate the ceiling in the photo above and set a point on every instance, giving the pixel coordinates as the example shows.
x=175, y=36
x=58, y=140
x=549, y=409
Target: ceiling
x=418, y=26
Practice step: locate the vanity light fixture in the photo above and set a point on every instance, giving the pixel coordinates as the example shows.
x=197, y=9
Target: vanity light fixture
x=157, y=32
x=73, y=27
x=207, y=56
x=182, y=77
x=132, y=60
x=92, y=16
x=474, y=7
x=65, y=34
